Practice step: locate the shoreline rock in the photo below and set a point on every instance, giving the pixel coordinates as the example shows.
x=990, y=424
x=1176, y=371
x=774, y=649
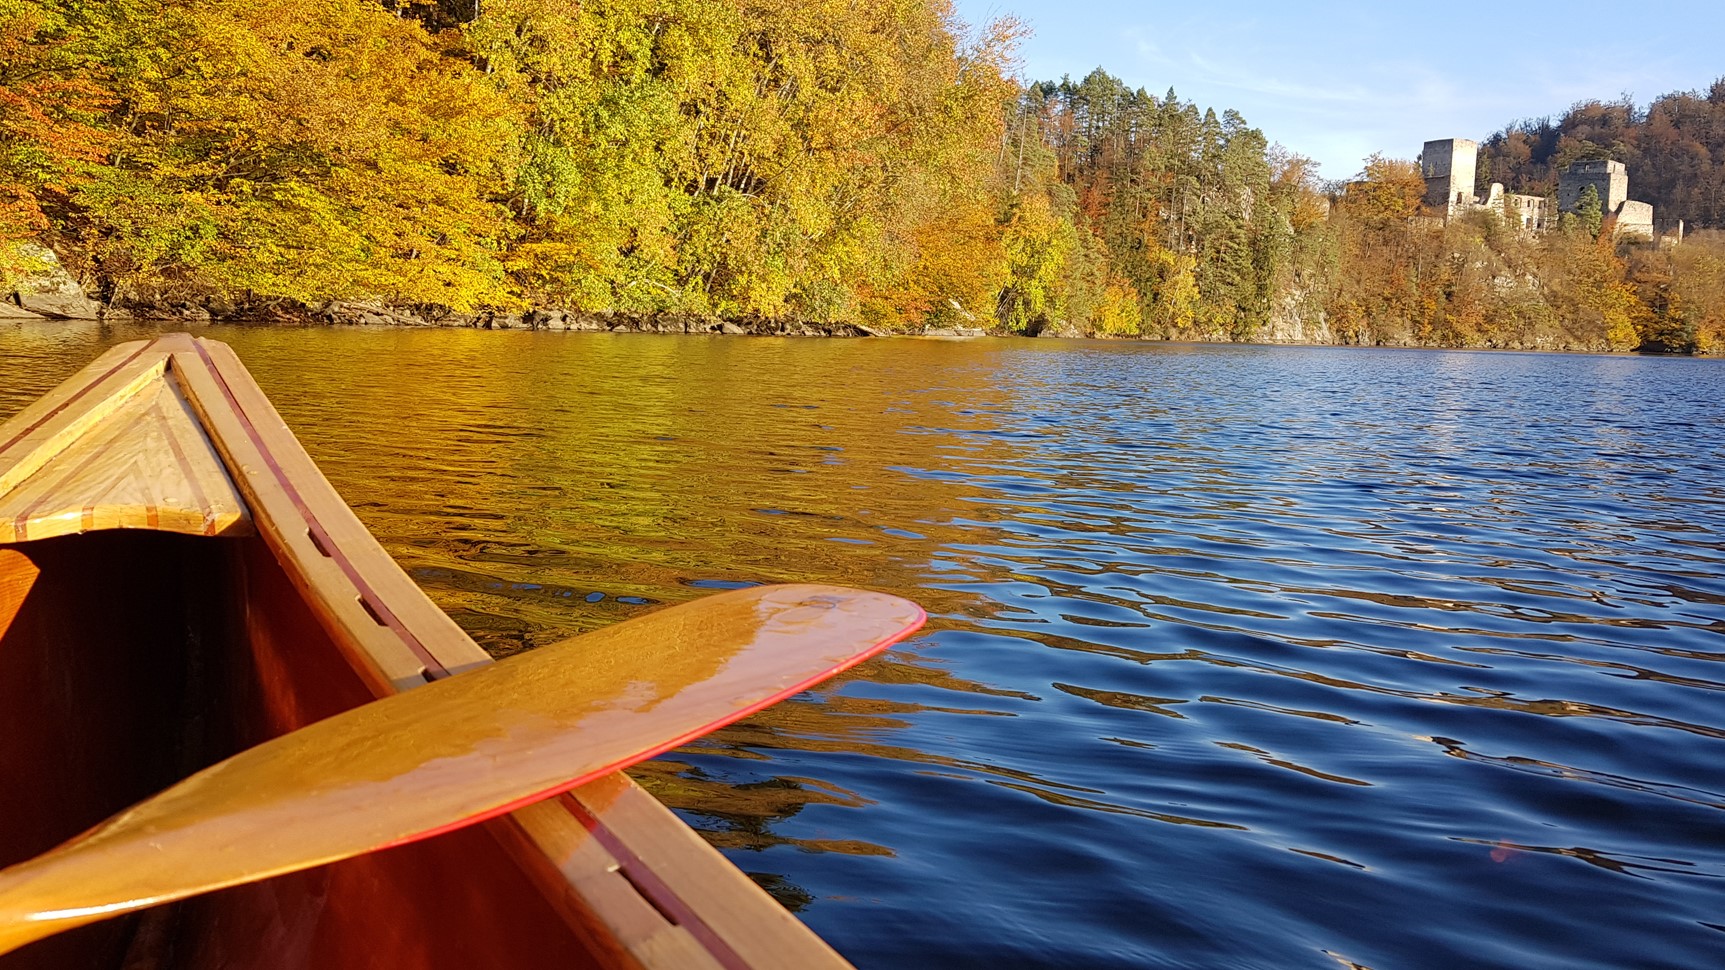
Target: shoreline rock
x=557, y=319
x=605, y=321
x=12, y=311
x=48, y=291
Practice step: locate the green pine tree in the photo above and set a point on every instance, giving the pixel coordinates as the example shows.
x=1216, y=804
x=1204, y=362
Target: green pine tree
x=1589, y=212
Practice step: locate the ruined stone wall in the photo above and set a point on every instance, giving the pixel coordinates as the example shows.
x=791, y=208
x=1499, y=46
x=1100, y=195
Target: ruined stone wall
x=1609, y=178
x=1635, y=219
x=1449, y=166
x=1528, y=211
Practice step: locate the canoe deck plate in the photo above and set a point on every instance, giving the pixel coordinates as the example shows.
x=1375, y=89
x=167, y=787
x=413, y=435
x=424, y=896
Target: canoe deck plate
x=146, y=464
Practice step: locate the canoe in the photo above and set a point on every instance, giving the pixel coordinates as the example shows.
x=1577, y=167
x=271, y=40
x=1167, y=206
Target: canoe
x=179, y=582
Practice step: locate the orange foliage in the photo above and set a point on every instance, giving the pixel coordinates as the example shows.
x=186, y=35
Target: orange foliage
x=47, y=116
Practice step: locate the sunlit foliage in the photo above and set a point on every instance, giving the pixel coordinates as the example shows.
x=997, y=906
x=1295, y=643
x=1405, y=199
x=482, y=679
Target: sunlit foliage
x=773, y=160
x=760, y=159
x=1674, y=148
x=50, y=125
x=279, y=149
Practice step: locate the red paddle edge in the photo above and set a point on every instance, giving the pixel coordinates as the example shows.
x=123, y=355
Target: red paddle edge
x=669, y=744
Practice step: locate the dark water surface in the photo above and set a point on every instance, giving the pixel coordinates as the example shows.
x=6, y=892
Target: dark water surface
x=1239, y=657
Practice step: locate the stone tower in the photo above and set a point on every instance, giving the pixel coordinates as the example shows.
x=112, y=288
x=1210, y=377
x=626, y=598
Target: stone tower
x=1449, y=165
x=1609, y=178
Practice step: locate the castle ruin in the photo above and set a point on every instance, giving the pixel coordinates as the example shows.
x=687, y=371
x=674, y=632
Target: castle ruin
x=1610, y=180
x=1451, y=165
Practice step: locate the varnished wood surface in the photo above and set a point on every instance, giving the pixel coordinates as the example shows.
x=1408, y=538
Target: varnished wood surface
x=628, y=882
x=372, y=609
x=116, y=447
x=571, y=851
x=465, y=748
x=451, y=903
x=148, y=466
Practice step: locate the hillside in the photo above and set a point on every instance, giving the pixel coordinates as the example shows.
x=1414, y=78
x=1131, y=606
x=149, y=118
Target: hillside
x=1674, y=148
x=776, y=165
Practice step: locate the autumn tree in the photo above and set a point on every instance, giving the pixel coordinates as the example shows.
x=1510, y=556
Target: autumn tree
x=1683, y=289
x=1041, y=241
x=764, y=159
x=50, y=124
x=1590, y=292
x=1379, y=250
x=781, y=160
x=1675, y=148
x=300, y=150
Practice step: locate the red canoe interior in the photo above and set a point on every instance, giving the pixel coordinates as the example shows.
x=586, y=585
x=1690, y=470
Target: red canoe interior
x=132, y=655
x=129, y=659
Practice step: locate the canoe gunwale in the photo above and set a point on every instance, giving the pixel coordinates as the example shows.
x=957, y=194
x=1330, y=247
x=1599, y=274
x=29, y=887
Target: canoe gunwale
x=306, y=525
x=617, y=864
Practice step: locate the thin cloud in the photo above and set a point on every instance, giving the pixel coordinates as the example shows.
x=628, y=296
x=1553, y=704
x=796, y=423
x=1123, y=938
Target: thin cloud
x=1397, y=89
x=1364, y=80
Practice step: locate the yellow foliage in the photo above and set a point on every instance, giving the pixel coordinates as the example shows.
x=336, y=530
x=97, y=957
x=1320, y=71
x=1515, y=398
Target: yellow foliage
x=1175, y=302
x=1697, y=285
x=1387, y=192
x=768, y=158
x=1039, y=249
x=1117, y=313
x=291, y=149
x=48, y=116
x=813, y=159
x=960, y=266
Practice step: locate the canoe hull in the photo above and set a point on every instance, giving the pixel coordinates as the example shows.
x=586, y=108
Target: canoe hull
x=132, y=656
x=168, y=677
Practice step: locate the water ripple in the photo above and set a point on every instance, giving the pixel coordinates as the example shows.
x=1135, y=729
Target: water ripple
x=1245, y=657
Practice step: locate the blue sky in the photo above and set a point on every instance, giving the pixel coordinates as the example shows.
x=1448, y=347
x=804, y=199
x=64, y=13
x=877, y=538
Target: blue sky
x=1338, y=81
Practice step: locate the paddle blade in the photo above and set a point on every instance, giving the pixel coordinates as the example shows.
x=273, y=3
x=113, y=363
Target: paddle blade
x=455, y=752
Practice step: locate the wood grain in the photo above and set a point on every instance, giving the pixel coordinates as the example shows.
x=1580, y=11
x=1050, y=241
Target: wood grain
x=619, y=870
x=146, y=465
x=557, y=847
x=466, y=748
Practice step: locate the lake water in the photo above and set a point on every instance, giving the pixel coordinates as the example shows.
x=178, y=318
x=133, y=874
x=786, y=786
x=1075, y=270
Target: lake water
x=1238, y=657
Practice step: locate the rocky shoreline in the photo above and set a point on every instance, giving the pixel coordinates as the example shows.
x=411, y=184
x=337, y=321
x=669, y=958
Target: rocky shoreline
x=64, y=305
x=51, y=293
x=342, y=314
x=58, y=297
x=551, y=318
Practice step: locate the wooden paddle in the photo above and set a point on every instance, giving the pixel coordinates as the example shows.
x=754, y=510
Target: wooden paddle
x=455, y=752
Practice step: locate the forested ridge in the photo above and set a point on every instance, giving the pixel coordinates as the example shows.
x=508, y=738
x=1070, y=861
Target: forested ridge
x=1674, y=148
x=771, y=162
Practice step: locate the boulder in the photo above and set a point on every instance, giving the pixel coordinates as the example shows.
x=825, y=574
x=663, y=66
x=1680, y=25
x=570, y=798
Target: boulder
x=369, y=315
x=69, y=306
x=48, y=290
x=502, y=321
x=546, y=318
x=12, y=311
